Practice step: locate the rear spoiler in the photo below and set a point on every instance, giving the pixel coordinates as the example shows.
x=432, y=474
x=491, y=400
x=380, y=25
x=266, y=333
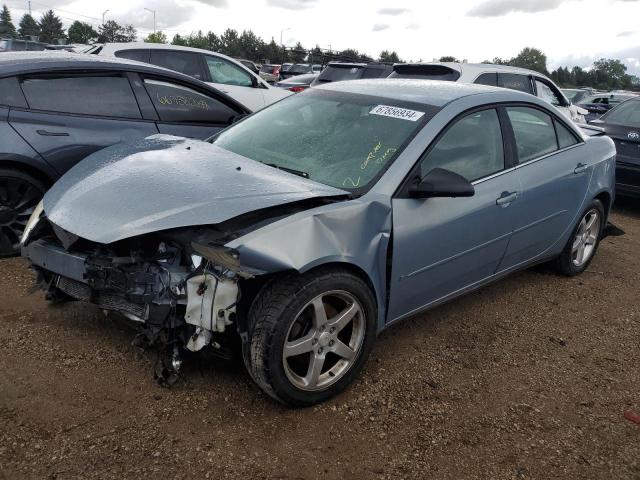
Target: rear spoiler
x=591, y=130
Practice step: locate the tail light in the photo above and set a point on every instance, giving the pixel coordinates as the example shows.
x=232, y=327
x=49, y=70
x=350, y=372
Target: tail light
x=297, y=89
x=276, y=70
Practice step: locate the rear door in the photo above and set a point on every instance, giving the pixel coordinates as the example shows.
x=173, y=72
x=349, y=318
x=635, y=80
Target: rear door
x=554, y=171
x=185, y=111
x=70, y=115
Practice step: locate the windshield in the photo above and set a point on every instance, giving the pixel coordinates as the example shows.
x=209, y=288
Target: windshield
x=335, y=73
x=342, y=140
x=627, y=113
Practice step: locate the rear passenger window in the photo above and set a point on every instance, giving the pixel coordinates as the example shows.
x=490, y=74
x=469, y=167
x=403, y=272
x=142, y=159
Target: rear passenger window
x=10, y=93
x=534, y=132
x=515, y=82
x=177, y=103
x=140, y=55
x=183, y=62
x=95, y=95
x=472, y=147
x=565, y=137
x=490, y=79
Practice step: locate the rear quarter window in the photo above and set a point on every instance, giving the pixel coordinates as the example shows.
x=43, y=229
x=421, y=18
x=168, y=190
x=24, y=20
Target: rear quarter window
x=140, y=55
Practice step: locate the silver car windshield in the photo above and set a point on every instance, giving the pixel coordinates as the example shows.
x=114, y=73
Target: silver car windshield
x=342, y=140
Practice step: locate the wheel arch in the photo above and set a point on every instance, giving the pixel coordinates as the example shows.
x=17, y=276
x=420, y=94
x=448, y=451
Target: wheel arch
x=26, y=166
x=605, y=198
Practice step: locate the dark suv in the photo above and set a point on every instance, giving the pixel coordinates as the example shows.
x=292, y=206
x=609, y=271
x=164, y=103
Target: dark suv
x=338, y=71
x=57, y=108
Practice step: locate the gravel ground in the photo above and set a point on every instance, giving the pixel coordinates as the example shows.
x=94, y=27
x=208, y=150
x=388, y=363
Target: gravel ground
x=528, y=378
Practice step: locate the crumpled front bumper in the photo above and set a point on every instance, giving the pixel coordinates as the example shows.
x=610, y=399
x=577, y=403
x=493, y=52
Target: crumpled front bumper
x=70, y=273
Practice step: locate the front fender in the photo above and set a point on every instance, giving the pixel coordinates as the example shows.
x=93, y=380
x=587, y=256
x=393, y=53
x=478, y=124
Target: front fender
x=355, y=232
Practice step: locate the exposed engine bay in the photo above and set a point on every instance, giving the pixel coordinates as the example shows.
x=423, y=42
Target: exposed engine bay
x=178, y=298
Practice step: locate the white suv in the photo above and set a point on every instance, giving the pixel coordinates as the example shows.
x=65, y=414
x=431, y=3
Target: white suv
x=495, y=75
x=224, y=73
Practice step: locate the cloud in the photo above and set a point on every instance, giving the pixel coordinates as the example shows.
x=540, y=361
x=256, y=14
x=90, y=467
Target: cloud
x=291, y=4
x=169, y=14
x=378, y=27
x=412, y=26
x=628, y=33
x=214, y=3
x=393, y=11
x=629, y=56
x=498, y=8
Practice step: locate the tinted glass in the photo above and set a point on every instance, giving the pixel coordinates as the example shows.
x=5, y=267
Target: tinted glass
x=427, y=72
x=109, y=96
x=177, y=103
x=35, y=47
x=334, y=73
x=472, y=147
x=547, y=94
x=141, y=55
x=487, y=79
x=10, y=93
x=342, y=140
x=375, y=73
x=515, y=82
x=535, y=135
x=183, y=62
x=299, y=68
x=18, y=46
x=565, y=137
x=227, y=73
x=627, y=113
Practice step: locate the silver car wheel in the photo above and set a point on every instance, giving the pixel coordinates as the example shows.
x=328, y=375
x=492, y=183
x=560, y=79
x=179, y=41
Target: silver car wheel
x=324, y=340
x=586, y=238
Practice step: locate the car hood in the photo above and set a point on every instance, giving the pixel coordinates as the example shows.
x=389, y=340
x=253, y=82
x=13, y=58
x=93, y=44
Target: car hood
x=165, y=182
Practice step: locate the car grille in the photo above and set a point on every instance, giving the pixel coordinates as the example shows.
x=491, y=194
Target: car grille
x=83, y=292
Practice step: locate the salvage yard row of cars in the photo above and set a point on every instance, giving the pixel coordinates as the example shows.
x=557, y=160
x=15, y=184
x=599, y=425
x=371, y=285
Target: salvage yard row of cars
x=301, y=230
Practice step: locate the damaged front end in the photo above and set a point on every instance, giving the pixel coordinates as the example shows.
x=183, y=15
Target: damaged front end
x=178, y=297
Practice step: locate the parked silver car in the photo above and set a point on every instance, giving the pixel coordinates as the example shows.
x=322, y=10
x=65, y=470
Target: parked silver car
x=310, y=226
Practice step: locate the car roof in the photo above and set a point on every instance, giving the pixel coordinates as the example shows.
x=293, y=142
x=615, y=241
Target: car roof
x=470, y=68
x=428, y=92
x=17, y=63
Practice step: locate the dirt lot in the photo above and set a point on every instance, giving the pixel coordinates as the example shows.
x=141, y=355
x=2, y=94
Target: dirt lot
x=528, y=378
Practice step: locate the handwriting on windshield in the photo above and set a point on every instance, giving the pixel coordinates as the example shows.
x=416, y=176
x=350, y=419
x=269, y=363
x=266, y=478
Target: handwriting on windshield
x=351, y=183
x=182, y=101
x=379, y=159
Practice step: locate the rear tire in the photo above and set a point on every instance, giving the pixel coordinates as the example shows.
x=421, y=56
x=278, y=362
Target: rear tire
x=310, y=335
x=583, y=242
x=19, y=194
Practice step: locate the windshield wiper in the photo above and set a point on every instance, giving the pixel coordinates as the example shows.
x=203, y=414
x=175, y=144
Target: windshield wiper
x=300, y=173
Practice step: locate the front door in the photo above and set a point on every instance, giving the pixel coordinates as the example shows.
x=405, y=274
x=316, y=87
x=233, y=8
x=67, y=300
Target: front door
x=442, y=246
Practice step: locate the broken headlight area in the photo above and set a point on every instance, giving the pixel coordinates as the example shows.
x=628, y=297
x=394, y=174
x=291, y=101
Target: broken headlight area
x=179, y=298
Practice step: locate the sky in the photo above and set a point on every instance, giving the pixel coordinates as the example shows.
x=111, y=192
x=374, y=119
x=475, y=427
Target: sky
x=569, y=32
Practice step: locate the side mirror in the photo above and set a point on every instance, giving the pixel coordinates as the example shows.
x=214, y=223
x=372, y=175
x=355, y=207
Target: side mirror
x=441, y=183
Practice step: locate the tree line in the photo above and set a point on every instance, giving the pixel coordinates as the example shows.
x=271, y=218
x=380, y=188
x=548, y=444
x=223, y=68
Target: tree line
x=604, y=74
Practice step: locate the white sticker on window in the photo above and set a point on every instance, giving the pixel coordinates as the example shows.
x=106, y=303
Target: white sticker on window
x=396, y=112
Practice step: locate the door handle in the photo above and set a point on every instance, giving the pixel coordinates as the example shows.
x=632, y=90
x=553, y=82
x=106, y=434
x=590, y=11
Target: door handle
x=506, y=198
x=46, y=133
x=581, y=167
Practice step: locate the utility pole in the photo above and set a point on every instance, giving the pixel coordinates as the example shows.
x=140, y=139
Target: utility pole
x=103, y=14
x=29, y=7
x=154, y=19
x=281, y=32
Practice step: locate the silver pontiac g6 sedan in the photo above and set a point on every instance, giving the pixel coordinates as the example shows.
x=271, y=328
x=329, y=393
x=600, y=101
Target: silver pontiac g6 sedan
x=307, y=228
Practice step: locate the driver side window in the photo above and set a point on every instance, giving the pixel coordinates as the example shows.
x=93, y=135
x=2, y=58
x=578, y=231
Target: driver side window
x=546, y=93
x=227, y=73
x=471, y=147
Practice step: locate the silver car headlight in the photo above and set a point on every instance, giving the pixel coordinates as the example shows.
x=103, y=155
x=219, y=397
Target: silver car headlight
x=32, y=223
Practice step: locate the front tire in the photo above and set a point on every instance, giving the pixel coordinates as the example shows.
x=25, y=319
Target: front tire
x=584, y=241
x=310, y=335
x=19, y=195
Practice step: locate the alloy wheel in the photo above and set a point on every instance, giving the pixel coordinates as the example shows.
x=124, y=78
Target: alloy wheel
x=324, y=340
x=586, y=238
x=18, y=198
